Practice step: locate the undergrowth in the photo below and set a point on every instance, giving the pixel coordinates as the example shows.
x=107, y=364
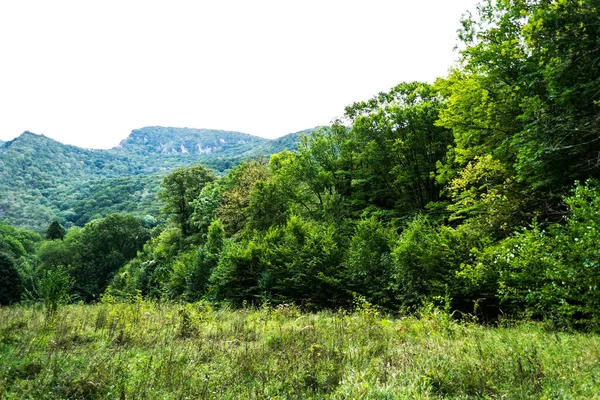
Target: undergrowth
x=151, y=350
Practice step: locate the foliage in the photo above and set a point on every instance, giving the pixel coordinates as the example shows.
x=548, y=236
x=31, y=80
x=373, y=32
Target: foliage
x=54, y=288
x=553, y=273
x=397, y=145
x=234, y=199
x=527, y=94
x=421, y=271
x=299, y=262
x=154, y=350
x=369, y=263
x=43, y=180
x=55, y=231
x=180, y=188
x=18, y=242
x=11, y=285
x=95, y=252
x=207, y=258
x=137, y=195
x=149, y=271
x=17, y=247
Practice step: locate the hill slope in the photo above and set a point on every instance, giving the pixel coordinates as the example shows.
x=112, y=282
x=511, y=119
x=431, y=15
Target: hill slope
x=187, y=141
x=287, y=142
x=42, y=179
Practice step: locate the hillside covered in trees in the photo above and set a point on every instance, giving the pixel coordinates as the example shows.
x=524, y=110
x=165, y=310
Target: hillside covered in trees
x=42, y=180
x=477, y=193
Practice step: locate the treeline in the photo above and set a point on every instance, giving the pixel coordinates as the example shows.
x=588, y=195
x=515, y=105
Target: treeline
x=476, y=193
x=64, y=266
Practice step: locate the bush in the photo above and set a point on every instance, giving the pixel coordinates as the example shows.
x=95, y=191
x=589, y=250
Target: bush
x=11, y=285
x=420, y=271
x=54, y=288
x=369, y=262
x=297, y=263
x=554, y=273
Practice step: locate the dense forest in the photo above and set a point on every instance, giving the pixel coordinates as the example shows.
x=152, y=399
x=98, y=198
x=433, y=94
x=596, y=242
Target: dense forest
x=42, y=180
x=476, y=193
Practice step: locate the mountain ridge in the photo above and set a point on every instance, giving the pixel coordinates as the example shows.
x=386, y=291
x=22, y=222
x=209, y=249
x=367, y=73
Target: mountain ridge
x=170, y=140
x=42, y=179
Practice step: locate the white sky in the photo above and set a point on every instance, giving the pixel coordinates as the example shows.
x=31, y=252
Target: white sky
x=87, y=73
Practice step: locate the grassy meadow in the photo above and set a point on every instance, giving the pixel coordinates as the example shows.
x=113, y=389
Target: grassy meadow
x=146, y=350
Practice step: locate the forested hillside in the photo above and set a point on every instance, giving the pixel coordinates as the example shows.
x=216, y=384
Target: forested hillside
x=287, y=142
x=42, y=180
x=158, y=140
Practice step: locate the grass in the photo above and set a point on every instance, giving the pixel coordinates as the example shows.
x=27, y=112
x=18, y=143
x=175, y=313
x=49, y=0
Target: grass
x=165, y=351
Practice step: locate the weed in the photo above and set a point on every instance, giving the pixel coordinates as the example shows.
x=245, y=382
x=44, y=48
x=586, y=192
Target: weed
x=142, y=349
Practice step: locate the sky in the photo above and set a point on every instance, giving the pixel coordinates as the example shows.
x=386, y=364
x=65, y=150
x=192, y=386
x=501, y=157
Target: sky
x=87, y=73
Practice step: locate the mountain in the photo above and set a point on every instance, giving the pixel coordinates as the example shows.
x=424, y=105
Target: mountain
x=170, y=141
x=287, y=142
x=1, y=143
x=42, y=180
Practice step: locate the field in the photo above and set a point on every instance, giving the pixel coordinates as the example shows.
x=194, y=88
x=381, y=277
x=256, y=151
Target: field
x=167, y=351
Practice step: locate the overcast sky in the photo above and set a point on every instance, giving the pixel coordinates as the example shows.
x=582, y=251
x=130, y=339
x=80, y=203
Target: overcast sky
x=87, y=73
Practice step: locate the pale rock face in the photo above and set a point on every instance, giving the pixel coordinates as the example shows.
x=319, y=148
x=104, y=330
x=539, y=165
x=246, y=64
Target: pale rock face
x=204, y=150
x=183, y=149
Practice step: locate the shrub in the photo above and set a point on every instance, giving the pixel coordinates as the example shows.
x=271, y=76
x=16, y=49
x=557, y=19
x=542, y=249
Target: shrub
x=11, y=285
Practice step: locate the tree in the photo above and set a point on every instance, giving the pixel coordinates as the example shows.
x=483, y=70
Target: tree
x=397, y=146
x=11, y=285
x=369, y=263
x=180, y=188
x=101, y=248
x=528, y=94
x=235, y=198
x=55, y=231
x=56, y=252
x=54, y=288
x=299, y=262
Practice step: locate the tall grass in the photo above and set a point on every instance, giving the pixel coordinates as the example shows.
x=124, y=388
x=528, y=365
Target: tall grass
x=163, y=351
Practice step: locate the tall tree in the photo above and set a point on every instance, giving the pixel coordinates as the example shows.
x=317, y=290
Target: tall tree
x=528, y=94
x=180, y=188
x=55, y=231
x=100, y=248
x=235, y=198
x=398, y=145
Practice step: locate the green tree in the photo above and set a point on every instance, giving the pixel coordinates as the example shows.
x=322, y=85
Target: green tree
x=300, y=262
x=54, y=288
x=397, y=146
x=11, y=285
x=55, y=231
x=553, y=273
x=526, y=94
x=424, y=268
x=53, y=253
x=101, y=248
x=369, y=263
x=150, y=271
x=180, y=188
x=206, y=207
x=235, y=198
